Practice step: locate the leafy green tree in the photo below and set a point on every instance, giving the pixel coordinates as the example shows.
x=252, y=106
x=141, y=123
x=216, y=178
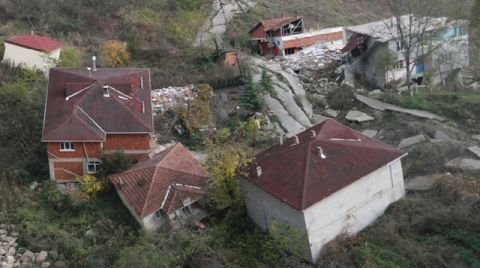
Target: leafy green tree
x=69, y=57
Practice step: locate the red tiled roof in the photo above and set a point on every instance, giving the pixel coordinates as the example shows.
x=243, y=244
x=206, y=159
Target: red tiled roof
x=297, y=175
x=33, y=41
x=162, y=182
x=277, y=23
x=76, y=109
x=311, y=40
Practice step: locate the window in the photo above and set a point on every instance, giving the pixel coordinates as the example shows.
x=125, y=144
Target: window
x=158, y=214
x=67, y=146
x=93, y=166
x=398, y=64
x=445, y=58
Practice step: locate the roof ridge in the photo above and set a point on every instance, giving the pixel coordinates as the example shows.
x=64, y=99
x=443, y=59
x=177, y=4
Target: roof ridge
x=78, y=108
x=305, y=175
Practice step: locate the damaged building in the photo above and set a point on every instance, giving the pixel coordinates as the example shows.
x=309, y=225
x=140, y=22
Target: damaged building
x=288, y=35
x=443, y=52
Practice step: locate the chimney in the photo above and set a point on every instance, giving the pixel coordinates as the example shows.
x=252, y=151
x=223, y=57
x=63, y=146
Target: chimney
x=320, y=152
x=313, y=134
x=31, y=32
x=106, y=94
x=296, y=141
x=259, y=171
x=281, y=139
x=89, y=71
x=94, y=63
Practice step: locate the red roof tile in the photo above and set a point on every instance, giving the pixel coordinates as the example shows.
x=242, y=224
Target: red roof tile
x=160, y=182
x=312, y=40
x=354, y=42
x=33, y=41
x=274, y=24
x=297, y=175
x=76, y=109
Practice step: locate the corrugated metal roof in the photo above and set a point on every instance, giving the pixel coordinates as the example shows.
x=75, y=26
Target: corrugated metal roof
x=34, y=41
x=146, y=184
x=300, y=177
x=77, y=110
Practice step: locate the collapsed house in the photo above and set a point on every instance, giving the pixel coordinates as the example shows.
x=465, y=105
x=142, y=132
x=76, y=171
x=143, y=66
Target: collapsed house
x=287, y=35
x=376, y=52
x=166, y=98
x=32, y=51
x=90, y=113
x=166, y=189
x=327, y=180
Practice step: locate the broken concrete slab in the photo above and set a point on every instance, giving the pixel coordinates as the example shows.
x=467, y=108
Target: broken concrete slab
x=475, y=150
x=332, y=113
x=440, y=135
x=411, y=141
x=370, y=133
x=476, y=137
x=382, y=106
x=421, y=183
x=357, y=116
x=464, y=164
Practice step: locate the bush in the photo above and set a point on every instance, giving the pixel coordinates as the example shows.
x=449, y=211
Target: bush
x=341, y=98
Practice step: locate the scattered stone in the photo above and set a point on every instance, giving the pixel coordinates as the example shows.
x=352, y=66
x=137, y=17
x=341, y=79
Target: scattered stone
x=464, y=164
x=421, y=183
x=33, y=185
x=2, y=251
x=358, y=116
x=375, y=93
x=440, y=135
x=411, y=141
x=10, y=260
x=474, y=86
x=332, y=113
x=475, y=150
x=41, y=256
x=437, y=141
x=3, y=265
x=28, y=257
x=45, y=264
x=476, y=137
x=370, y=133
x=12, y=251
x=60, y=264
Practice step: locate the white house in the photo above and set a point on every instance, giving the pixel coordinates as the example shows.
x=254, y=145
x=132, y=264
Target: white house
x=165, y=189
x=326, y=181
x=444, y=50
x=32, y=51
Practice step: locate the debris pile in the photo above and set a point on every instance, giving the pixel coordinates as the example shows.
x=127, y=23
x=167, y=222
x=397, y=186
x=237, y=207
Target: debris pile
x=166, y=98
x=313, y=57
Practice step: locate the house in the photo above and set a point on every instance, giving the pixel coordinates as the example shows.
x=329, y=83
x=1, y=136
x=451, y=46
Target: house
x=287, y=35
x=90, y=113
x=32, y=51
x=325, y=181
x=165, y=188
x=444, y=50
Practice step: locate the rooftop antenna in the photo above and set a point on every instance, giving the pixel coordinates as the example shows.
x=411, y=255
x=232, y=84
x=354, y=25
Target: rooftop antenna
x=320, y=152
x=259, y=171
x=94, y=63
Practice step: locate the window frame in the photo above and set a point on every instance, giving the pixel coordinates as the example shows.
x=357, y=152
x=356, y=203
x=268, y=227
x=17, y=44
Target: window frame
x=65, y=148
x=96, y=164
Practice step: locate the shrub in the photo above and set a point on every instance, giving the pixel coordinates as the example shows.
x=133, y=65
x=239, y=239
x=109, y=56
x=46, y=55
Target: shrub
x=92, y=186
x=341, y=98
x=114, y=54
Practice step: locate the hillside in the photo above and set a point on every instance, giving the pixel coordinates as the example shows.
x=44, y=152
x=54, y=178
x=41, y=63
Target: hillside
x=438, y=227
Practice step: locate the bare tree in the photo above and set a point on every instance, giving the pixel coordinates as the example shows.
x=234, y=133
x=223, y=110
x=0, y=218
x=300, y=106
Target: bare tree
x=412, y=26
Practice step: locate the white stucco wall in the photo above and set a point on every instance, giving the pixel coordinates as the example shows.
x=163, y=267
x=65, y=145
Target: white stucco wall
x=354, y=207
x=30, y=58
x=349, y=210
x=265, y=210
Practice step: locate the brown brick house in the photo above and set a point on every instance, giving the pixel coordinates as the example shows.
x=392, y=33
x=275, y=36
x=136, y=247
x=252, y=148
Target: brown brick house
x=94, y=112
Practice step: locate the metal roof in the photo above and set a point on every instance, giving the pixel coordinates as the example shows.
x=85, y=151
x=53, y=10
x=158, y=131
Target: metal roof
x=299, y=176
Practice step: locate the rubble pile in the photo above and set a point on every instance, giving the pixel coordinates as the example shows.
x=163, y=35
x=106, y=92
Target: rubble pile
x=313, y=57
x=166, y=98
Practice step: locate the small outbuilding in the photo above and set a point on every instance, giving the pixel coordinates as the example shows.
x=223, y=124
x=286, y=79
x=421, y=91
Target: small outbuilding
x=325, y=181
x=165, y=189
x=32, y=51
